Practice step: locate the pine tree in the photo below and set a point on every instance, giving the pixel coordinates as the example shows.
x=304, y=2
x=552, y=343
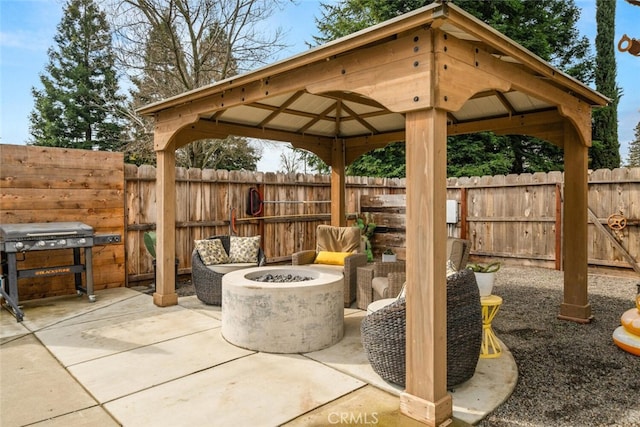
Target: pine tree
x=634, y=149
x=79, y=105
x=605, y=153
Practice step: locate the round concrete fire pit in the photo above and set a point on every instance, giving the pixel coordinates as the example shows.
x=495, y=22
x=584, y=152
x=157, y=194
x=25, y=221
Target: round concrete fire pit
x=289, y=317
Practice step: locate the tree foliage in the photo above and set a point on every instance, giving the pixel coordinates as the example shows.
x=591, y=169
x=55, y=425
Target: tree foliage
x=634, y=149
x=79, y=105
x=605, y=152
x=546, y=27
x=298, y=160
x=231, y=153
x=386, y=162
x=170, y=47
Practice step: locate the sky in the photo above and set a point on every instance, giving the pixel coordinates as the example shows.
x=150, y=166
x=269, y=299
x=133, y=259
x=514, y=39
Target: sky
x=27, y=28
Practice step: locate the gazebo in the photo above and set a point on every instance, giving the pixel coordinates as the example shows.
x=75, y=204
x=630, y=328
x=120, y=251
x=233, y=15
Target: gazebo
x=418, y=78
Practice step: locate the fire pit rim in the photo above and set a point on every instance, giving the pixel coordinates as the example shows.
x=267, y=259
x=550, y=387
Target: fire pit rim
x=319, y=276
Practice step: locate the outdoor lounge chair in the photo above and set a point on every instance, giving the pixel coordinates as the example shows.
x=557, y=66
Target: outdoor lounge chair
x=382, y=281
x=374, y=283
x=207, y=279
x=384, y=333
x=332, y=244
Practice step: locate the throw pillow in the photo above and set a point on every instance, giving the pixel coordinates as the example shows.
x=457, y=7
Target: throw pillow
x=212, y=251
x=331, y=258
x=244, y=249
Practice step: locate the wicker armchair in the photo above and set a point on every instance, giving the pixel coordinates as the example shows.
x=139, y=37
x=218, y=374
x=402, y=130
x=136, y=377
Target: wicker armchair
x=373, y=282
x=384, y=333
x=383, y=280
x=337, y=239
x=207, y=282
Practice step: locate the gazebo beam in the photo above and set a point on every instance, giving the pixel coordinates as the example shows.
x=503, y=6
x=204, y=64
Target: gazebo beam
x=501, y=43
x=404, y=62
x=357, y=146
x=538, y=123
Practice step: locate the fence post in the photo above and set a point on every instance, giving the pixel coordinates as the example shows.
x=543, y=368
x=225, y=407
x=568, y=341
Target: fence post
x=558, y=246
x=463, y=213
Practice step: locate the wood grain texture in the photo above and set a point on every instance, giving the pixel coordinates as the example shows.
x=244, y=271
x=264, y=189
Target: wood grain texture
x=44, y=184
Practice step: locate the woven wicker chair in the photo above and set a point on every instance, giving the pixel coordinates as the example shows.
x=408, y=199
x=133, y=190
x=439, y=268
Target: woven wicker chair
x=208, y=283
x=327, y=239
x=380, y=280
x=384, y=333
x=373, y=282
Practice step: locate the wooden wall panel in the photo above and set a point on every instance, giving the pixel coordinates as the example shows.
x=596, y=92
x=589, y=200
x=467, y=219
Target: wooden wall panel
x=44, y=184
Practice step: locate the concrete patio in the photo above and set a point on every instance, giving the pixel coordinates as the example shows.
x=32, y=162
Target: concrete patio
x=124, y=361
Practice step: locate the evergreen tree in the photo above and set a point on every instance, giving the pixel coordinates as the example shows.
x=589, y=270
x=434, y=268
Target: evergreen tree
x=388, y=162
x=634, y=149
x=79, y=106
x=605, y=152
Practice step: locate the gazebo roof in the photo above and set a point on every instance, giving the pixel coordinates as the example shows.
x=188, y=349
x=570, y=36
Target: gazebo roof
x=258, y=104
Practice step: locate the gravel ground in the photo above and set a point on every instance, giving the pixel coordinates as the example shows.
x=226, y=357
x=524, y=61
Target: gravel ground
x=569, y=374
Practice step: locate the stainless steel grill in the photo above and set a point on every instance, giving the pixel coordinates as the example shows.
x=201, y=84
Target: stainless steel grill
x=19, y=239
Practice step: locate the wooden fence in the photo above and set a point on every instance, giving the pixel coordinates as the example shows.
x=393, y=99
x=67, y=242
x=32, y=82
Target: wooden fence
x=515, y=218
x=207, y=200
x=42, y=184
x=519, y=216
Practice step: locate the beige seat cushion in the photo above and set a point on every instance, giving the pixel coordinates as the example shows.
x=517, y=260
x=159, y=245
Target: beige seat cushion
x=377, y=305
x=455, y=250
x=228, y=268
x=380, y=286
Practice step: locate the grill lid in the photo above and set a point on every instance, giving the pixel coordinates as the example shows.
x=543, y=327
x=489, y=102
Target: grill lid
x=13, y=232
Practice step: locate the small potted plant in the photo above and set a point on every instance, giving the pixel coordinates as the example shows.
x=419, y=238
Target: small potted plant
x=388, y=255
x=485, y=276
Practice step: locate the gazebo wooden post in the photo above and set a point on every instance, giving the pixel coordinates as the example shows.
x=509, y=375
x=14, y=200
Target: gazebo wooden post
x=425, y=397
x=575, y=305
x=165, y=294
x=338, y=184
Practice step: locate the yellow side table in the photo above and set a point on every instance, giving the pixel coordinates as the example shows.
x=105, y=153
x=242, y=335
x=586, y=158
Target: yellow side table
x=490, y=345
